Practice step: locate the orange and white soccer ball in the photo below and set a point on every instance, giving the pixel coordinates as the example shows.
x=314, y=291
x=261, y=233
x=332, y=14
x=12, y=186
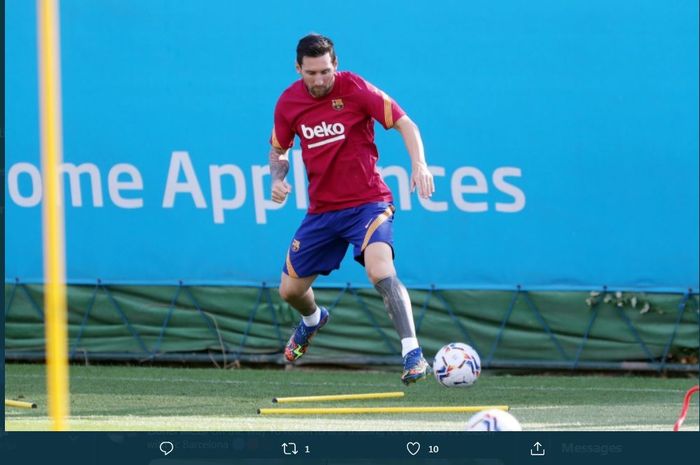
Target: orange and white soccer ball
x=457, y=365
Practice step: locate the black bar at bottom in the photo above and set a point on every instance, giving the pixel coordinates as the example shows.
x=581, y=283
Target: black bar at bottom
x=257, y=448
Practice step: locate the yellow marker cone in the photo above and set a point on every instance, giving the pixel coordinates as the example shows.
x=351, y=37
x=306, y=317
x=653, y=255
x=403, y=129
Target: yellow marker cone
x=19, y=404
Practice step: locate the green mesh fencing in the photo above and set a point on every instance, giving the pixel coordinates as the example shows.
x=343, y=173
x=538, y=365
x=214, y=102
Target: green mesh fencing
x=225, y=325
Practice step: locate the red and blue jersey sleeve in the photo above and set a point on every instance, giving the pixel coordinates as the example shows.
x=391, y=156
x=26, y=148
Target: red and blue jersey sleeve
x=377, y=103
x=282, y=132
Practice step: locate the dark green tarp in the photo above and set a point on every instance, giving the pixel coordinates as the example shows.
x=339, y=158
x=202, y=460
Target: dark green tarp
x=140, y=321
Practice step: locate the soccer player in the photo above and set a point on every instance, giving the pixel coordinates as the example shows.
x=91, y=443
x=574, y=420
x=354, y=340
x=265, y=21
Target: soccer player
x=333, y=112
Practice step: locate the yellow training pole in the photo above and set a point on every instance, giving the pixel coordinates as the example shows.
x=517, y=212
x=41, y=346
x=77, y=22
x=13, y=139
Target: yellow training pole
x=370, y=395
x=19, y=404
x=53, y=229
x=354, y=410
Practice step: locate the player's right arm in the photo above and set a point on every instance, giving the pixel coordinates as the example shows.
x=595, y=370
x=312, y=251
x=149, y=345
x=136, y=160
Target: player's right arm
x=279, y=167
x=281, y=141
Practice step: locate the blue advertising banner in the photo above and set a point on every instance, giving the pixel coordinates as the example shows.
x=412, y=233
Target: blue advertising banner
x=563, y=137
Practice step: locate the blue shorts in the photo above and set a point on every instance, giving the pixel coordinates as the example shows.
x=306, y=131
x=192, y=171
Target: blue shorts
x=321, y=241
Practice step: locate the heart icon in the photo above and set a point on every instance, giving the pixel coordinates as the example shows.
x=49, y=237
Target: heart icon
x=413, y=447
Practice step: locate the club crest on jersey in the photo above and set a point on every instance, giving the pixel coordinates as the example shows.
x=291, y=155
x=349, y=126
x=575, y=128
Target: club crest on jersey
x=338, y=104
x=295, y=245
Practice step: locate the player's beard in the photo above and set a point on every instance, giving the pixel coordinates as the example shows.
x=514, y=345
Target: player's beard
x=321, y=91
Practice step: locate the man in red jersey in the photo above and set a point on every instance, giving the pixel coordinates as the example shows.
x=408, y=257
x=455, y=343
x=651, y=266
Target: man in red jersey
x=333, y=113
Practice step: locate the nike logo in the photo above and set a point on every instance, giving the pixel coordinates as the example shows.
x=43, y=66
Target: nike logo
x=367, y=225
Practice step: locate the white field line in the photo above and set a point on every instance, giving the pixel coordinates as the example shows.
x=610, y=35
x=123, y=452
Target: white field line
x=206, y=381
x=599, y=427
x=201, y=423
x=285, y=383
x=665, y=404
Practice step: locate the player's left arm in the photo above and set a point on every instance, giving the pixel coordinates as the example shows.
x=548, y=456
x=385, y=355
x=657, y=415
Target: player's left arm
x=421, y=177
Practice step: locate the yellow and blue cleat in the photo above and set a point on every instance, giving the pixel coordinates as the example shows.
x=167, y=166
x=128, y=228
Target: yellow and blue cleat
x=415, y=367
x=299, y=341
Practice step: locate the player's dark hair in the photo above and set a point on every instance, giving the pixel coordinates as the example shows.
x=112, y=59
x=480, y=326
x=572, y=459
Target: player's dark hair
x=314, y=45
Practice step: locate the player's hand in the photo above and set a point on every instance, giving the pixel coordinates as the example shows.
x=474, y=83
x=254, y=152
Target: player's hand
x=280, y=190
x=422, y=178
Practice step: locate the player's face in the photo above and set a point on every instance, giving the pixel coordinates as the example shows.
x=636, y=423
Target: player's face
x=318, y=74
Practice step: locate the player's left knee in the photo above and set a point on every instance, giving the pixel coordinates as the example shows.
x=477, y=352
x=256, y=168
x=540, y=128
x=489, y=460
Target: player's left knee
x=379, y=262
x=379, y=270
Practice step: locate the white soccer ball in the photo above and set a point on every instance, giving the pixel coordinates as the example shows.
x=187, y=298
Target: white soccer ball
x=493, y=420
x=457, y=365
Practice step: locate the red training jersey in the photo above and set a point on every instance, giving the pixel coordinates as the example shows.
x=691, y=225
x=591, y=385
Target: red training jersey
x=337, y=139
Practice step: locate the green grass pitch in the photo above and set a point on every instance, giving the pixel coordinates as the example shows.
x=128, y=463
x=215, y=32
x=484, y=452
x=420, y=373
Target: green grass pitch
x=128, y=398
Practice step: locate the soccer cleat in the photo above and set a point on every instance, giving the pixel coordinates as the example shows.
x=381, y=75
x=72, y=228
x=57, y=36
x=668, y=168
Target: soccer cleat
x=415, y=368
x=299, y=342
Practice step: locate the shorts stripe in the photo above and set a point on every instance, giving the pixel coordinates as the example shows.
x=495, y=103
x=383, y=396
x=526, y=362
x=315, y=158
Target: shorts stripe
x=375, y=224
x=290, y=269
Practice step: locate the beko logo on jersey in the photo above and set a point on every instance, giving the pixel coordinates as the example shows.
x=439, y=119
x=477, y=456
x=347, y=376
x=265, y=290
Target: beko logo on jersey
x=334, y=132
x=323, y=130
